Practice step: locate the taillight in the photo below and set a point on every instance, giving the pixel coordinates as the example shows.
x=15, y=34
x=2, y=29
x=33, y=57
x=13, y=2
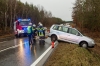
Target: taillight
x=48, y=31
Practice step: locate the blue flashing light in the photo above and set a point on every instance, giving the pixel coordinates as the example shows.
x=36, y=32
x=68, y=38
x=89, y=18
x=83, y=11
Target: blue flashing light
x=28, y=19
x=19, y=20
x=24, y=20
x=25, y=29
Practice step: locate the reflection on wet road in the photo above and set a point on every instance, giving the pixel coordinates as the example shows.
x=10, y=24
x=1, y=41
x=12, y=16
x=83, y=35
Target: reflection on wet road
x=20, y=52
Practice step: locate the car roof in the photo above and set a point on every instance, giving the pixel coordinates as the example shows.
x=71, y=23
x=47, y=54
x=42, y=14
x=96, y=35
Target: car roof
x=63, y=25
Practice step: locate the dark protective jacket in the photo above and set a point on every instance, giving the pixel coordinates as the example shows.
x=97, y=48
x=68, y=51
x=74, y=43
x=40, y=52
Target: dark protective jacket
x=34, y=31
x=41, y=32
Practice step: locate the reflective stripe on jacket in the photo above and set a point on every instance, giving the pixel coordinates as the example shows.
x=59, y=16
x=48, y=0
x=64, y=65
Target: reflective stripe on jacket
x=34, y=30
x=40, y=32
x=29, y=29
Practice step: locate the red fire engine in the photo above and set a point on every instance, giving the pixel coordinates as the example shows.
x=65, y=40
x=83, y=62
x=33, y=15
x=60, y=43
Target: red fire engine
x=20, y=27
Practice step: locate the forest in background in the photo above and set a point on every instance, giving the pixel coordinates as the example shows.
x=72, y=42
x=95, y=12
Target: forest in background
x=11, y=10
x=86, y=14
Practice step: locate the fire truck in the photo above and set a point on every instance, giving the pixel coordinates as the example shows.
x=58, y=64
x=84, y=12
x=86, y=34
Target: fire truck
x=20, y=27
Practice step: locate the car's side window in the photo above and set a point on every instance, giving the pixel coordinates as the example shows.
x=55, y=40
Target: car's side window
x=73, y=31
x=60, y=28
x=55, y=27
x=65, y=29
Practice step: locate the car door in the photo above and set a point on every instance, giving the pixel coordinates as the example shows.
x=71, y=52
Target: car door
x=63, y=34
x=53, y=29
x=74, y=35
x=59, y=32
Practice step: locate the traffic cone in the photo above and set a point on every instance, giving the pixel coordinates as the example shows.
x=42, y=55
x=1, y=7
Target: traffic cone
x=52, y=44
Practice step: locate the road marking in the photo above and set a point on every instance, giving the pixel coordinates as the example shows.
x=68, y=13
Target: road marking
x=3, y=41
x=37, y=61
x=9, y=48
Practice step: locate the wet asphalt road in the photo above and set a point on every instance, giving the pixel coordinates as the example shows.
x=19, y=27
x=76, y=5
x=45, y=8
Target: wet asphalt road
x=18, y=52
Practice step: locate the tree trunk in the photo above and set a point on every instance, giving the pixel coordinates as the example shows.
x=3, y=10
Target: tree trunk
x=11, y=15
x=15, y=10
x=5, y=21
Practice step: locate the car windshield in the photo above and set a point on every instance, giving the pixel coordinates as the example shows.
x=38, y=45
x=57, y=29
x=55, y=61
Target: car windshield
x=80, y=32
x=24, y=23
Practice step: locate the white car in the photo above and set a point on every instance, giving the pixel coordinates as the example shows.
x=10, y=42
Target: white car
x=69, y=34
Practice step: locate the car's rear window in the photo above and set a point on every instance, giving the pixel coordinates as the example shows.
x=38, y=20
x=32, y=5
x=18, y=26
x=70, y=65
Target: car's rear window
x=55, y=27
x=60, y=28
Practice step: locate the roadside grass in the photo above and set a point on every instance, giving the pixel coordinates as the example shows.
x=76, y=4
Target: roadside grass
x=7, y=37
x=66, y=54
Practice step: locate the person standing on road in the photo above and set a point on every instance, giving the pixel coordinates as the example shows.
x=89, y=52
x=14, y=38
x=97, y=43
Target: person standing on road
x=38, y=26
x=29, y=29
x=41, y=32
x=34, y=32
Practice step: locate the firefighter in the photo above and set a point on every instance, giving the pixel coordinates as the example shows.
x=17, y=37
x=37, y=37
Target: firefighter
x=29, y=29
x=39, y=25
x=41, y=33
x=34, y=32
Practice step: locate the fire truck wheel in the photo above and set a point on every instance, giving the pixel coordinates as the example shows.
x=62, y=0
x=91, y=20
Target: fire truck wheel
x=16, y=36
x=19, y=36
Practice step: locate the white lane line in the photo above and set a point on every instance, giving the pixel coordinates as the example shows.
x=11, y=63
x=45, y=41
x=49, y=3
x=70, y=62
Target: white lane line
x=34, y=64
x=3, y=41
x=9, y=48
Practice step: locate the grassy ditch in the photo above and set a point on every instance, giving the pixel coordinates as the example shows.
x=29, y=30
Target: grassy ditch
x=71, y=55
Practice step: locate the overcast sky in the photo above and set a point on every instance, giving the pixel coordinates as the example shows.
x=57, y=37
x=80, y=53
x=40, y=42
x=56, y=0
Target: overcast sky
x=59, y=8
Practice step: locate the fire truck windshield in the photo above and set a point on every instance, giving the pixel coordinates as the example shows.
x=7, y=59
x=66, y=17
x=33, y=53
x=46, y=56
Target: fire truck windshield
x=24, y=23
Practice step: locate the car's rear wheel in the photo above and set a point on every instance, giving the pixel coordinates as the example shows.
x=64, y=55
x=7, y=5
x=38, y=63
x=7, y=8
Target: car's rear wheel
x=84, y=44
x=53, y=38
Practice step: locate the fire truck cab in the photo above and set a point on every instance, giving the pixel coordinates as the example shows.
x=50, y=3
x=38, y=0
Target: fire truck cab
x=20, y=27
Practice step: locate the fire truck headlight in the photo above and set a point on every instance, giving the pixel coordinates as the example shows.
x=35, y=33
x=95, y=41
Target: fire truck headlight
x=21, y=31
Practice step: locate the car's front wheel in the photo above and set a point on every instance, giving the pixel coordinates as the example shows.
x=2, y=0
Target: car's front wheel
x=84, y=44
x=53, y=38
